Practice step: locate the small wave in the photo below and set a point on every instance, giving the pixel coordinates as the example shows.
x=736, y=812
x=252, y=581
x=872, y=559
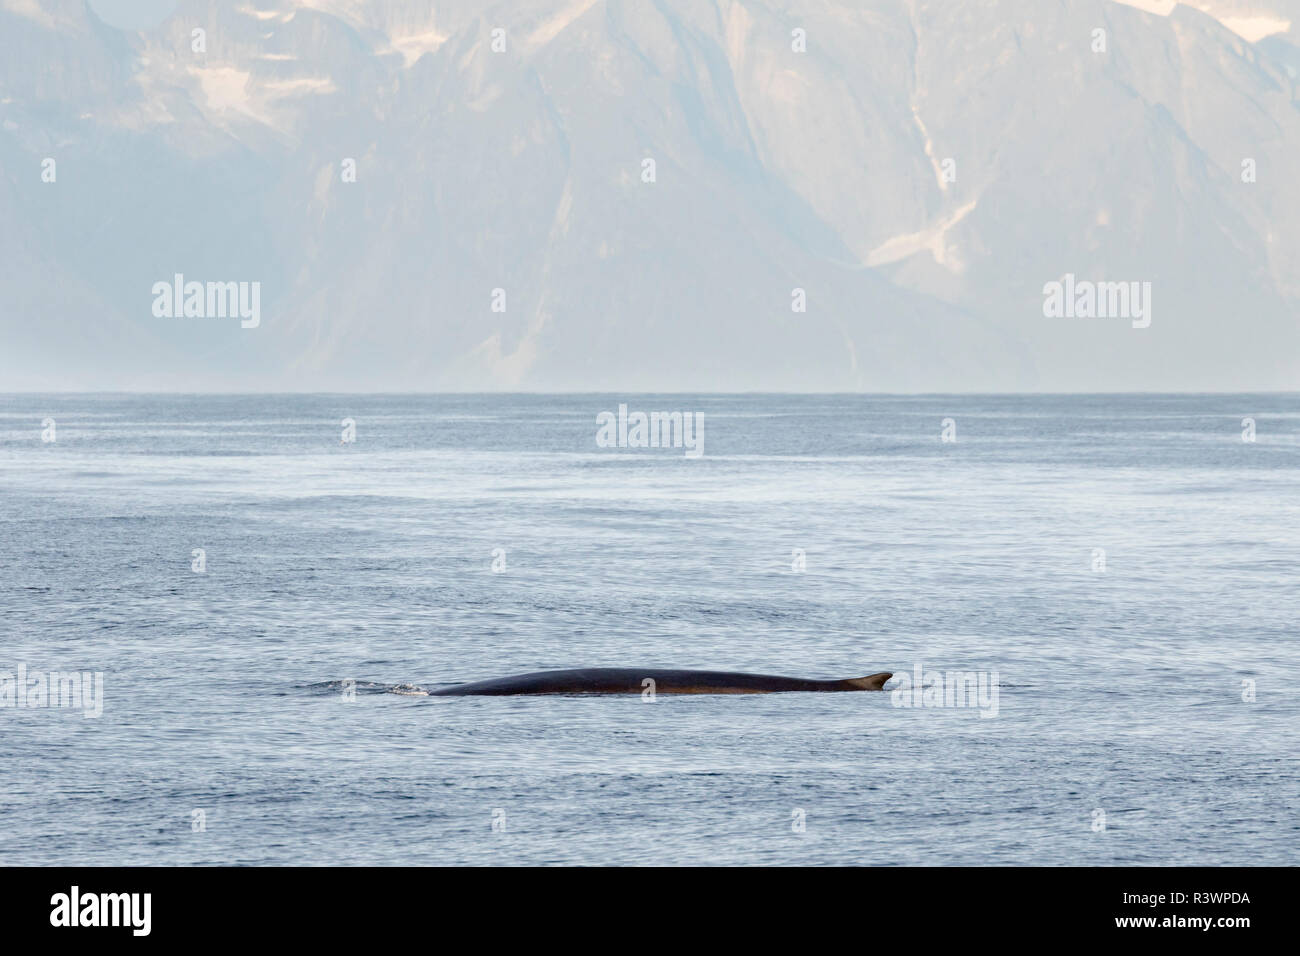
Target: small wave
x=366, y=687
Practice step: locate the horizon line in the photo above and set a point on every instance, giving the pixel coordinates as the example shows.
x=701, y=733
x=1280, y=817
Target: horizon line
x=493, y=393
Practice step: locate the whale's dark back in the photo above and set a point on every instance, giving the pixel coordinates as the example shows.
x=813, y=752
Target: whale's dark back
x=633, y=680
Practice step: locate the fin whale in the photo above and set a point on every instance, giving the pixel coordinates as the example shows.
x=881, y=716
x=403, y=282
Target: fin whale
x=635, y=680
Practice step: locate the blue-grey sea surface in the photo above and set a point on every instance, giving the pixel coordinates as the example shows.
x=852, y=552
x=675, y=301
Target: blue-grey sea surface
x=1126, y=565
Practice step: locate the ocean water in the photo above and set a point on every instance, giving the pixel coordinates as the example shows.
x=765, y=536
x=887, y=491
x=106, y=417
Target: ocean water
x=1146, y=713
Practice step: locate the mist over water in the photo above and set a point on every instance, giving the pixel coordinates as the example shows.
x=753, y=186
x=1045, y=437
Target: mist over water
x=372, y=561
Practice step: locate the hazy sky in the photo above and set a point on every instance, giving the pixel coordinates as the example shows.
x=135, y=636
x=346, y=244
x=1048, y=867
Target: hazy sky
x=1252, y=19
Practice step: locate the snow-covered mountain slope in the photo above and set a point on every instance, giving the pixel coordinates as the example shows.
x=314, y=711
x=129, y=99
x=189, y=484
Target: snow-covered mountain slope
x=921, y=170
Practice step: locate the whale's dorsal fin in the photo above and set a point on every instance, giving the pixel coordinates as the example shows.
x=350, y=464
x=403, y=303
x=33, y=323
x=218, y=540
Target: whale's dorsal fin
x=873, y=682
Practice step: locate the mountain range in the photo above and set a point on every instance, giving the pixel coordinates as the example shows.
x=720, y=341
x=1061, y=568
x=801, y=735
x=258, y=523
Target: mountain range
x=913, y=172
